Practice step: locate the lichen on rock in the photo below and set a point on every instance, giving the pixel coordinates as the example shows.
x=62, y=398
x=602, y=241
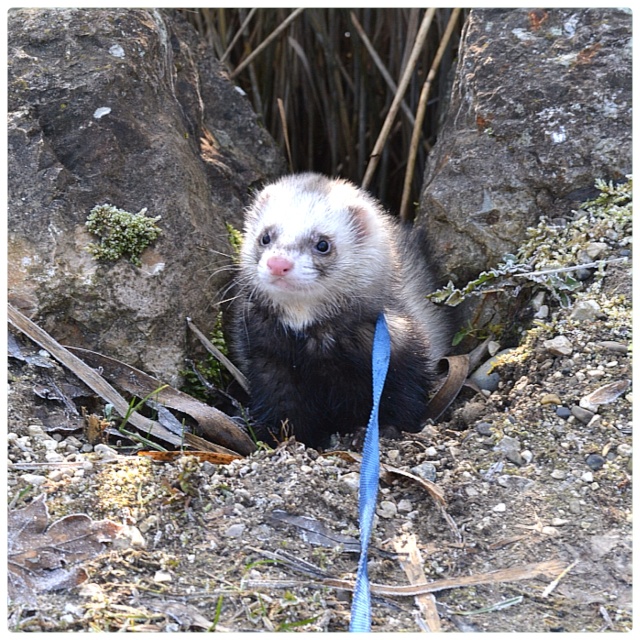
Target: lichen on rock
x=121, y=233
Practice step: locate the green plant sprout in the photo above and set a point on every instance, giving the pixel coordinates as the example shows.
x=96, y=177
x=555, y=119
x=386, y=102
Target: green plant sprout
x=133, y=407
x=121, y=233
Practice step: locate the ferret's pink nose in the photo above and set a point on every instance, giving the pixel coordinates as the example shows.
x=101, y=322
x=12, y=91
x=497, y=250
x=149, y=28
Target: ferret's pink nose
x=279, y=266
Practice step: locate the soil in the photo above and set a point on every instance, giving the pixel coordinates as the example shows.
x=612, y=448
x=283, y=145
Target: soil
x=526, y=477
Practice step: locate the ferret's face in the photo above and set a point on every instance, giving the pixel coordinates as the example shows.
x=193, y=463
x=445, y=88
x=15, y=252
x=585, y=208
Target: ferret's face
x=307, y=243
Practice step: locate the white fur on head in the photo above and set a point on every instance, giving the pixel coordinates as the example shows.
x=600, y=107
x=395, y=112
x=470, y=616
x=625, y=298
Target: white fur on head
x=297, y=211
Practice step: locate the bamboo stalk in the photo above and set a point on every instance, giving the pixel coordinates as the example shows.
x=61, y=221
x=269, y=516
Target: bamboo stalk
x=381, y=67
x=422, y=107
x=238, y=35
x=263, y=45
x=395, y=105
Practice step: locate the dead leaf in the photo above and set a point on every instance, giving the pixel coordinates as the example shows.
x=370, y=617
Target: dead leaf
x=89, y=376
x=208, y=456
x=315, y=532
x=42, y=556
x=411, y=562
x=216, y=425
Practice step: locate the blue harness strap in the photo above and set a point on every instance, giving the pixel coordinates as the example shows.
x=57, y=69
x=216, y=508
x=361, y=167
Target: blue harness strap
x=369, y=478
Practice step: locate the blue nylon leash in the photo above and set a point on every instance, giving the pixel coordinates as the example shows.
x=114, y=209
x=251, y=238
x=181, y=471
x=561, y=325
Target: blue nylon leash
x=369, y=477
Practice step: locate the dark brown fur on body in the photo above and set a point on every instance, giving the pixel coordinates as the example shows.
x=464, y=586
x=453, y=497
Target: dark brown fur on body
x=303, y=335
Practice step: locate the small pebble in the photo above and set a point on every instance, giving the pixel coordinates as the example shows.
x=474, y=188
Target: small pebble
x=35, y=430
x=575, y=507
x=471, y=412
x=595, y=422
x=582, y=414
x=508, y=445
x=616, y=347
x=351, y=481
x=493, y=347
x=162, y=576
x=515, y=483
x=105, y=452
x=586, y=310
x=559, y=346
x=563, y=412
x=405, y=506
x=542, y=312
x=595, y=461
x=500, y=507
x=594, y=250
x=624, y=450
x=235, y=530
x=34, y=479
x=550, y=398
x=387, y=509
x=425, y=470
x=484, y=428
x=583, y=274
x=559, y=474
x=484, y=376
x=527, y=456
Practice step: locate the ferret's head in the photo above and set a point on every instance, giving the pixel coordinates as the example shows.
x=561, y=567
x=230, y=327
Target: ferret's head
x=313, y=245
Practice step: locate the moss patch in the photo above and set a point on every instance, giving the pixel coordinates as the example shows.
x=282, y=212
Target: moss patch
x=122, y=234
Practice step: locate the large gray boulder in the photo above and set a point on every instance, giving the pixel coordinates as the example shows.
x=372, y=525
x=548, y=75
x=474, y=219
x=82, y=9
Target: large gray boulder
x=541, y=107
x=126, y=107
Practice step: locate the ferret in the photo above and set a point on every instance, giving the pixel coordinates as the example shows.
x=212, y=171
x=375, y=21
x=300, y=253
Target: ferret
x=320, y=260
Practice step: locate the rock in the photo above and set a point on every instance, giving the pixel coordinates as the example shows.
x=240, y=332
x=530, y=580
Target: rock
x=127, y=107
x=612, y=345
x=558, y=346
x=34, y=479
x=550, y=398
x=511, y=449
x=350, y=481
x=563, y=412
x=387, y=509
x=515, y=483
x=581, y=414
x=471, y=411
x=542, y=312
x=105, y=452
x=586, y=310
x=425, y=470
x=485, y=375
x=537, y=114
x=235, y=530
x=493, y=347
x=595, y=461
x=484, y=428
x=593, y=251
x=624, y=450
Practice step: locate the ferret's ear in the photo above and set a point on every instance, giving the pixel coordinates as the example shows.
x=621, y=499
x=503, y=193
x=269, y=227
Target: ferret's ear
x=364, y=218
x=262, y=198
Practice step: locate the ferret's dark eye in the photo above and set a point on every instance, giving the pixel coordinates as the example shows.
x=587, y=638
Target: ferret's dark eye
x=323, y=246
x=265, y=240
